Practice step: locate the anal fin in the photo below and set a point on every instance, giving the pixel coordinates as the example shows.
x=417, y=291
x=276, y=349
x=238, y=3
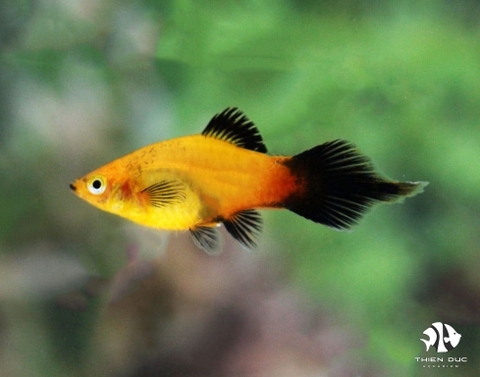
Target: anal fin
x=208, y=238
x=245, y=227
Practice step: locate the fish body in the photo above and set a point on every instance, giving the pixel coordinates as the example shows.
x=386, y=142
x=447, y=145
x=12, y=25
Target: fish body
x=224, y=174
x=208, y=178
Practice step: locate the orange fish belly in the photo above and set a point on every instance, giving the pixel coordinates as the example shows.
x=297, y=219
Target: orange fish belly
x=222, y=179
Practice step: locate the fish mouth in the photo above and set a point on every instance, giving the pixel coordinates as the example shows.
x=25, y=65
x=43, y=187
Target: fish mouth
x=72, y=187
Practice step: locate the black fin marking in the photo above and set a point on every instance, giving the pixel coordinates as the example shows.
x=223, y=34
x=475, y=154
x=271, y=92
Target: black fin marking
x=166, y=193
x=233, y=126
x=245, y=227
x=208, y=239
x=340, y=184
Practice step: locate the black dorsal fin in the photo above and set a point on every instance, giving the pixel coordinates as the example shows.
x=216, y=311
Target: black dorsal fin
x=245, y=227
x=233, y=126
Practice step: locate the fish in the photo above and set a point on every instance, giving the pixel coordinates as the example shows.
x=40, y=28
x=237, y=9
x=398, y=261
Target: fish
x=442, y=336
x=224, y=175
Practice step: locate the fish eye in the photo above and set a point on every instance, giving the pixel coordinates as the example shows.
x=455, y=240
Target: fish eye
x=97, y=185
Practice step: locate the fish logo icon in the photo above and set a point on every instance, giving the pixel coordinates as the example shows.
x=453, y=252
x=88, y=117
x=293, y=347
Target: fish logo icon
x=442, y=336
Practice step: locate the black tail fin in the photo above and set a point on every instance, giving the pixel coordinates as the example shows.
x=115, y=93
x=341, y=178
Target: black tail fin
x=340, y=184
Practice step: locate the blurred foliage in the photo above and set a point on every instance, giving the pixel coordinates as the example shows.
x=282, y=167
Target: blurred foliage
x=82, y=83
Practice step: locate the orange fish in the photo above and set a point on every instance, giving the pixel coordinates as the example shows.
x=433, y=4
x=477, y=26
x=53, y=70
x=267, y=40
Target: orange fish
x=222, y=176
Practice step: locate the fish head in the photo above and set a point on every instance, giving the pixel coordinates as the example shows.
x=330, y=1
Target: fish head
x=102, y=189
x=453, y=336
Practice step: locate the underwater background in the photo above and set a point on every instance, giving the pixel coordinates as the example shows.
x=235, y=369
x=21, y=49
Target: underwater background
x=83, y=293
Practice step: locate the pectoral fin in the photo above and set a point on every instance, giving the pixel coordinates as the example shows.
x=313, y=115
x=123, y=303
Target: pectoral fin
x=166, y=192
x=208, y=238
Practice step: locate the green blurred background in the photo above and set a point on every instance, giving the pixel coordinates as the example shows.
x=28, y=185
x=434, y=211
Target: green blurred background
x=84, y=82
